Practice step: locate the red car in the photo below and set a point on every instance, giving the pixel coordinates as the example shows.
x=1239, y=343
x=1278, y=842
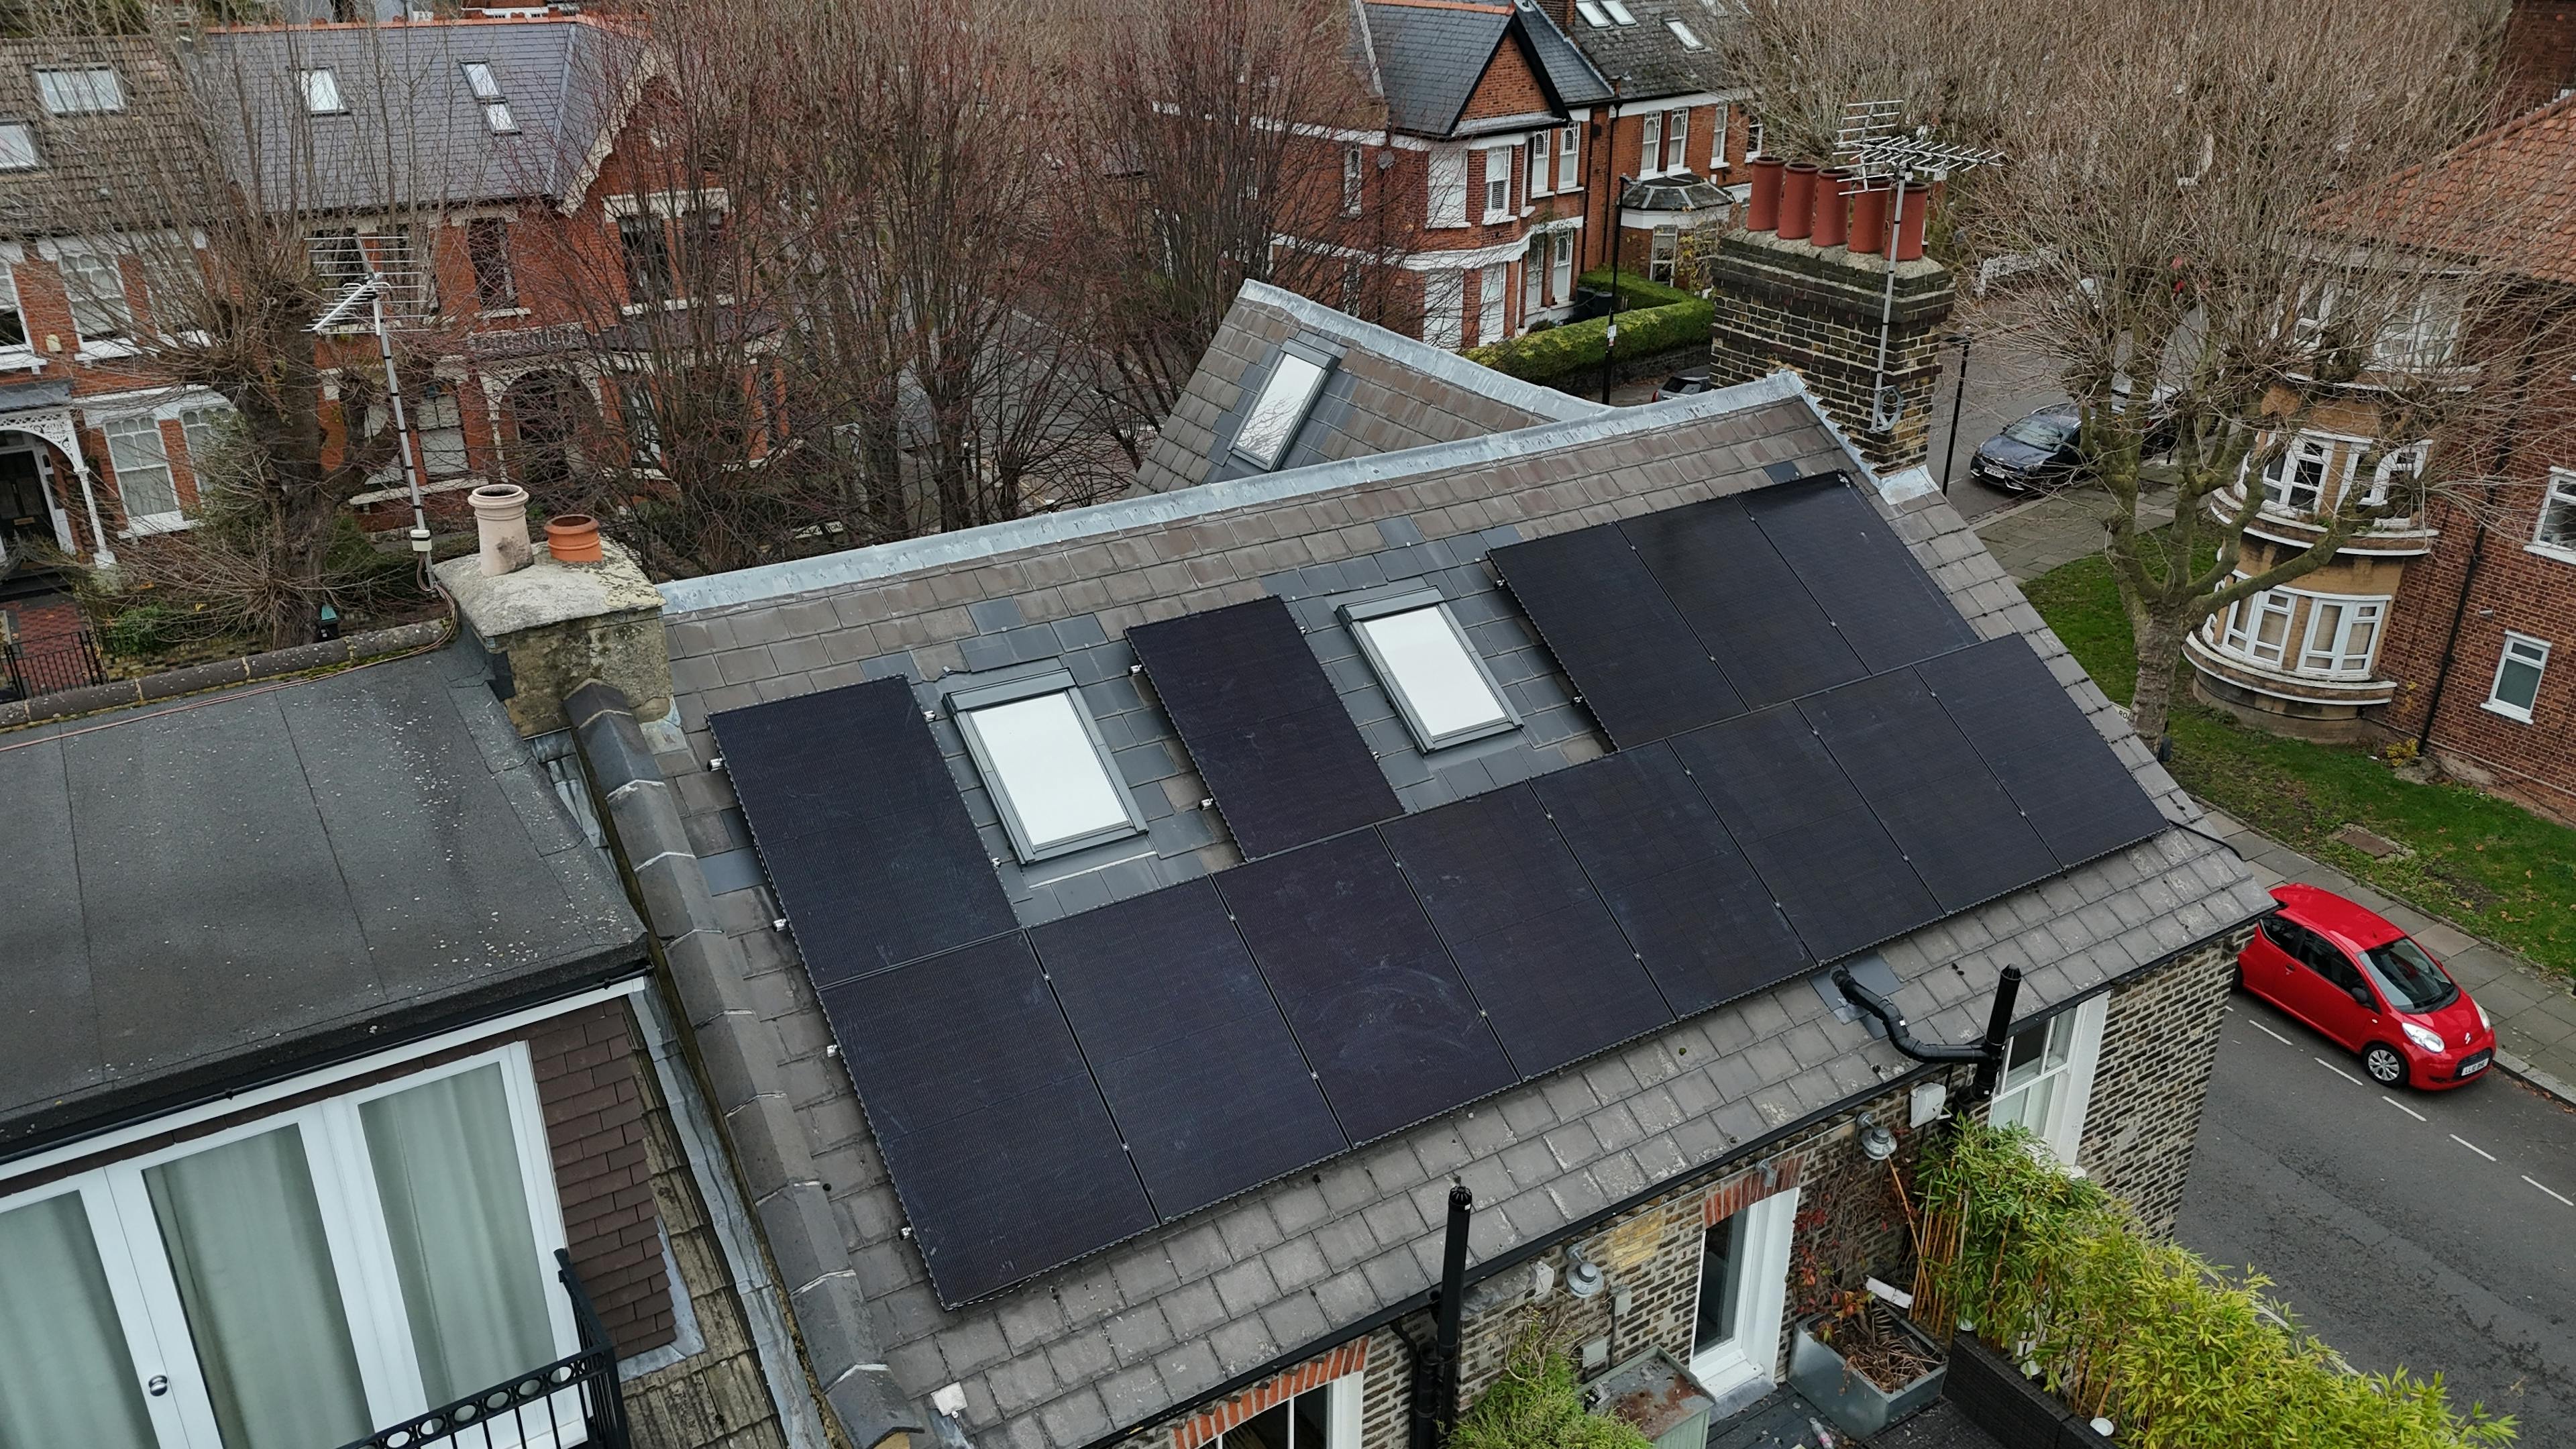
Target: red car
x=2352, y=975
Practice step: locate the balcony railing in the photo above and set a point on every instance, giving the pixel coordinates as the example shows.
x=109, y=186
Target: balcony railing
x=573, y=1400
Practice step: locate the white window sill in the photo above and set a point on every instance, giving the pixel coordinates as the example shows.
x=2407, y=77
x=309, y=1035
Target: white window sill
x=489, y=313
x=2497, y=706
x=106, y=351
x=21, y=359
x=152, y=523
x=1498, y=218
x=2552, y=551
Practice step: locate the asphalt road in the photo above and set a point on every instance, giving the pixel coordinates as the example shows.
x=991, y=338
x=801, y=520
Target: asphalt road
x=2431, y=1230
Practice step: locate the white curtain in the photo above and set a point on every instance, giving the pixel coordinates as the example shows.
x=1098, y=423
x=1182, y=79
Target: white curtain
x=456, y=1211
x=244, y=1237
x=64, y=1375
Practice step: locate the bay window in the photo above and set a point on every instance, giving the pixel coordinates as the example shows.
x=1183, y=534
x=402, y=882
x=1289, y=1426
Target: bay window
x=2343, y=637
x=296, y=1281
x=2257, y=627
x=2295, y=479
x=141, y=463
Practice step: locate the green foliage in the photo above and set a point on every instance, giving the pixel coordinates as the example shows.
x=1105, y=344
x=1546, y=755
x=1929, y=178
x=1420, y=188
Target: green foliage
x=2147, y=1333
x=2499, y=870
x=1536, y=1405
x=1560, y=351
x=1636, y=291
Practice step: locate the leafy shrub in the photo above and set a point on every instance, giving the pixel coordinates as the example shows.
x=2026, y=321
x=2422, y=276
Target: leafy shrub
x=1535, y=1405
x=2054, y=1271
x=1559, y=351
x=1637, y=291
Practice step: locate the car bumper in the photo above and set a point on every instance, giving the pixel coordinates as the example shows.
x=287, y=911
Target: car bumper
x=2450, y=1069
x=2010, y=480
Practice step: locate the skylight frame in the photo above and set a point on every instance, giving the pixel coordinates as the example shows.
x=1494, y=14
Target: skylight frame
x=1315, y=367
x=320, y=87
x=80, y=90
x=1619, y=11
x=1593, y=14
x=1682, y=32
x=19, y=150
x=964, y=704
x=1357, y=616
x=494, y=102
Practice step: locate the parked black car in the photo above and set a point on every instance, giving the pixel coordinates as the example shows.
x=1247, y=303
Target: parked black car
x=1684, y=384
x=2034, y=451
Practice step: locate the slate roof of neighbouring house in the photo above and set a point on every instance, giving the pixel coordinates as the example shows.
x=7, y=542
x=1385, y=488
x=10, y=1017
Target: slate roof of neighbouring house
x=1648, y=59
x=1155, y=1323
x=79, y=156
x=1389, y=392
x=1430, y=54
x=224, y=890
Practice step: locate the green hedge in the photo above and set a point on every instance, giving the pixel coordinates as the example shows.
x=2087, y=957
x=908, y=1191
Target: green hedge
x=1636, y=291
x=2140, y=1330
x=1560, y=351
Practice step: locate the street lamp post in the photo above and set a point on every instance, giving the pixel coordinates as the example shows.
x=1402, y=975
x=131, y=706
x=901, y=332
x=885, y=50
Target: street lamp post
x=1958, y=398
x=1610, y=329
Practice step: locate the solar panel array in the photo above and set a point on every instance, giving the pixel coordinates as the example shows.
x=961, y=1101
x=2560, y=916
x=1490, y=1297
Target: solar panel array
x=1862, y=769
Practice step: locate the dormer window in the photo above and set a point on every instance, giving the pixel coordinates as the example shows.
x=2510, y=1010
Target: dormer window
x=487, y=94
x=17, y=146
x=1271, y=423
x=321, y=92
x=80, y=91
x=1437, y=680
x=1052, y=780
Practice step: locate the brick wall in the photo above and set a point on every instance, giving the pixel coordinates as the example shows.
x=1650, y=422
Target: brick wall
x=593, y=1095
x=1509, y=87
x=1787, y=304
x=2159, y=1043
x=2539, y=57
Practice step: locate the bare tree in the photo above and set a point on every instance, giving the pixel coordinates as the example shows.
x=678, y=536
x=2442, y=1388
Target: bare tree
x=2179, y=188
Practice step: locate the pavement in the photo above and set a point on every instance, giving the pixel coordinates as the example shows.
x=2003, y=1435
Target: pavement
x=2426, y=1230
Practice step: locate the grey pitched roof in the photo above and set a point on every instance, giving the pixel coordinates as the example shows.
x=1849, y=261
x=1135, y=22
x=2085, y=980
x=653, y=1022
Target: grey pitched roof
x=1647, y=60
x=1576, y=82
x=1388, y=392
x=79, y=156
x=224, y=890
x=1115, y=1341
x=413, y=133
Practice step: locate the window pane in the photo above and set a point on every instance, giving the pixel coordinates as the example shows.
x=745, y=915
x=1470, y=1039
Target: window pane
x=1048, y=769
x=456, y=1211
x=2518, y=683
x=244, y=1237
x=321, y=91
x=142, y=467
x=2028, y=1107
x=478, y=76
x=1425, y=661
x=17, y=146
x=1721, y=1273
x=1265, y=1430
x=1280, y=408
x=2558, y=516
x=65, y=1377
x=1310, y=1418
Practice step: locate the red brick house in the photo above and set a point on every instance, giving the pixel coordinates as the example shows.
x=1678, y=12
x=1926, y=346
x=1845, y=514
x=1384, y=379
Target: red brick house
x=1674, y=117
x=524, y=154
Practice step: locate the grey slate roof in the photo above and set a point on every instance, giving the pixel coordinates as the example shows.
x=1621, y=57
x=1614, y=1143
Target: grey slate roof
x=1389, y=392
x=1648, y=61
x=214, y=892
x=79, y=155
x=1428, y=57
x=1577, y=82
x=414, y=134
x=1152, y=1325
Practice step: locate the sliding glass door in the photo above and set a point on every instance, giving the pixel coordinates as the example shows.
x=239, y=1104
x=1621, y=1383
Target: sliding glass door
x=293, y=1283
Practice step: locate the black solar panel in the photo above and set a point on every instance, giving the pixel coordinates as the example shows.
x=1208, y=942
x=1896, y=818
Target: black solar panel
x=1546, y=961
x=1206, y=1084
x=2081, y=799
x=1641, y=670
x=1927, y=785
x=1386, y=1021
x=1885, y=606
x=1005, y=1158
x=861, y=828
x=1808, y=833
x=1689, y=903
x=1278, y=751
x=1742, y=600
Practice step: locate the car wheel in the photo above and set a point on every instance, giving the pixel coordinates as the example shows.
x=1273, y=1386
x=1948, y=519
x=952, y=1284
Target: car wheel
x=2385, y=1066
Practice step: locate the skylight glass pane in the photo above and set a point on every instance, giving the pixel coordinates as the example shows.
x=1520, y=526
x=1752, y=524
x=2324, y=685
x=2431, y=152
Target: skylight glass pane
x=1281, y=407
x=1593, y=14
x=1688, y=37
x=479, y=76
x=1054, y=779
x=496, y=114
x=1619, y=11
x=17, y=146
x=1425, y=659
x=321, y=92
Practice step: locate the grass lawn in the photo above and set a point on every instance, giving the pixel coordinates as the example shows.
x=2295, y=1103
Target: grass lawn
x=2495, y=868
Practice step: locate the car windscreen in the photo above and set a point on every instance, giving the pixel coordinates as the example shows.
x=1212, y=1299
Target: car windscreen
x=2040, y=432
x=2411, y=980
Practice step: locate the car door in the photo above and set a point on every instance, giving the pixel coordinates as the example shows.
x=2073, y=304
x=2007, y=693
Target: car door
x=2352, y=1007
x=2271, y=961
x=2304, y=990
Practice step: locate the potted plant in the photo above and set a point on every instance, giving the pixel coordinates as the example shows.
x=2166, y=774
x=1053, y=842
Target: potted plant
x=1864, y=1364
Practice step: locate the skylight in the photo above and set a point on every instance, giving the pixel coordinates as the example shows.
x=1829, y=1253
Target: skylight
x=321, y=92
x=1593, y=14
x=88, y=90
x=1689, y=38
x=1275, y=416
x=487, y=93
x=1428, y=667
x=17, y=146
x=1042, y=757
x=1619, y=11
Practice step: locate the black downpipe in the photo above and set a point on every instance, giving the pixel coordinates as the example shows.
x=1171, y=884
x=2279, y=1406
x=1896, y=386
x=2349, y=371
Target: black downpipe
x=1453, y=1293
x=1988, y=1054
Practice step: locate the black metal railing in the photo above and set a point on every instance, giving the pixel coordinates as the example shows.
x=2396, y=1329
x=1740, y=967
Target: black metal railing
x=548, y=1405
x=27, y=670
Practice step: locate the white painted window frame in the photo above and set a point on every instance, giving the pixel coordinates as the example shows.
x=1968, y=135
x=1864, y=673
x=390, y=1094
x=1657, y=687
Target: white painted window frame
x=2408, y=459
x=1561, y=271
x=2303, y=447
x=2243, y=637
x=320, y=87
x=1341, y=1416
x=143, y=426
x=1762, y=1299
x=145, y=1294
x=2558, y=496
x=2328, y=652
x=1501, y=164
x=2534, y=652
x=22, y=143
x=15, y=353
x=1569, y=156
x=84, y=95
x=1650, y=145
x=1677, y=141
x=1541, y=162
x=1447, y=176
x=2061, y=1129
x=963, y=706
x=78, y=294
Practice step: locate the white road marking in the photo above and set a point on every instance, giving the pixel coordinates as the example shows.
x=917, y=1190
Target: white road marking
x=2267, y=1031
x=2473, y=1147
x=2402, y=1107
x=2338, y=1071
x=2553, y=1192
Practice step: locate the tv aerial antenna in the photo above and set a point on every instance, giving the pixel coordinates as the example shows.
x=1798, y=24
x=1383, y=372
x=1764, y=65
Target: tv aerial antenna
x=1876, y=149
x=377, y=276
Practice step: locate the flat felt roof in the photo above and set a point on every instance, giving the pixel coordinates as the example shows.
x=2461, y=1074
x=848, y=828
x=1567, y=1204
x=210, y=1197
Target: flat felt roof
x=219, y=891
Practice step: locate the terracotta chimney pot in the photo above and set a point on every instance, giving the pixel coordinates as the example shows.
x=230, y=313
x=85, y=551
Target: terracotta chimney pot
x=1762, y=208
x=1869, y=221
x=573, y=538
x=1797, y=200
x=1830, y=226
